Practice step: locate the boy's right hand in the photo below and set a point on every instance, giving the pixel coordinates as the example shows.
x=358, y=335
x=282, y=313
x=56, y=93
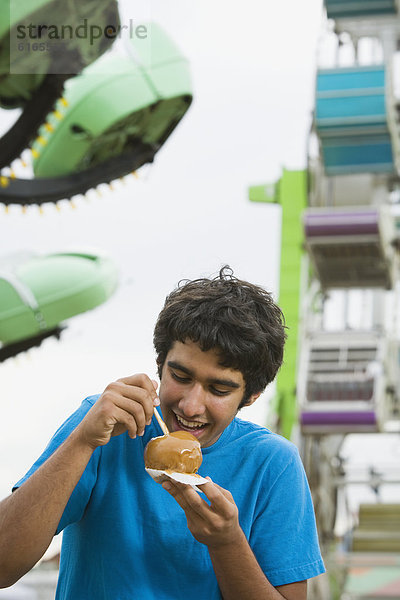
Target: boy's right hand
x=125, y=405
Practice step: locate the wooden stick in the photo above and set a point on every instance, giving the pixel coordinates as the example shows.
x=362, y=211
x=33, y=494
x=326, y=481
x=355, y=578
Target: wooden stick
x=161, y=422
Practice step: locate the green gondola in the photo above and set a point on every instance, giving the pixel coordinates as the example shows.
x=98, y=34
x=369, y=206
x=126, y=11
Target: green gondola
x=38, y=293
x=118, y=114
x=33, y=70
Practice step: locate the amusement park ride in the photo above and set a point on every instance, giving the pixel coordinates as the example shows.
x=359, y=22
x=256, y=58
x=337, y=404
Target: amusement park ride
x=92, y=109
x=112, y=117
x=339, y=287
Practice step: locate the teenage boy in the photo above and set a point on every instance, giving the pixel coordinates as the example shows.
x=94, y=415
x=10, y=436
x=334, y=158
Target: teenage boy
x=251, y=535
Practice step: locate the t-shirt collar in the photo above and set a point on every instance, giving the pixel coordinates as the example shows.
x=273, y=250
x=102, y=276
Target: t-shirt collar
x=222, y=440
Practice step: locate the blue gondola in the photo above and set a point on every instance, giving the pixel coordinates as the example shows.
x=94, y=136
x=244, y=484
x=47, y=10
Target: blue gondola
x=339, y=9
x=354, y=120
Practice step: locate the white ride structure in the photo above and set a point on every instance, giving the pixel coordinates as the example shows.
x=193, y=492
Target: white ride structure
x=348, y=365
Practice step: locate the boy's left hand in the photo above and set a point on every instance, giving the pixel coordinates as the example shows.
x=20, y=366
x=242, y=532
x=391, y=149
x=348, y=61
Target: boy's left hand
x=215, y=524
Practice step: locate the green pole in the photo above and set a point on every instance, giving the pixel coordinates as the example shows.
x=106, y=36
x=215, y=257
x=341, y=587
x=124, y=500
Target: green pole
x=291, y=193
x=293, y=199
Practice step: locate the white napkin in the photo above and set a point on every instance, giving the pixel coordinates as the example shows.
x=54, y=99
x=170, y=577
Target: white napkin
x=194, y=480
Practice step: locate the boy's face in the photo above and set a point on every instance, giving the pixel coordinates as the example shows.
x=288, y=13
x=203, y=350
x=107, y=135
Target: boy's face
x=197, y=394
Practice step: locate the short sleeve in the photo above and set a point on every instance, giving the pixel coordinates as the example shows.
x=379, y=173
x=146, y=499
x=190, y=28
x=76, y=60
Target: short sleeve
x=284, y=535
x=81, y=494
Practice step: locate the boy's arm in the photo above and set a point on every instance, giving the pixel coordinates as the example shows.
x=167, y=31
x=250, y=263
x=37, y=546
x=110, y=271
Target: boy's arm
x=30, y=516
x=217, y=526
x=240, y=576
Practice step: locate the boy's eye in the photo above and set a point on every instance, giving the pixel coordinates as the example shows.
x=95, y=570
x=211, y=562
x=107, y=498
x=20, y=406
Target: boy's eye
x=218, y=392
x=180, y=378
x=187, y=379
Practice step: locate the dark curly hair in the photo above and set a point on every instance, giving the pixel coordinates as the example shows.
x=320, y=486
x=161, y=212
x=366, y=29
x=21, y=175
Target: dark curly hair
x=238, y=319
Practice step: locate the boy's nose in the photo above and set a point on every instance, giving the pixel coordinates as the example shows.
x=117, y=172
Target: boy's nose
x=193, y=403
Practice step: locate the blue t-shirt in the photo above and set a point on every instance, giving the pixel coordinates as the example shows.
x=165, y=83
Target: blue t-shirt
x=125, y=537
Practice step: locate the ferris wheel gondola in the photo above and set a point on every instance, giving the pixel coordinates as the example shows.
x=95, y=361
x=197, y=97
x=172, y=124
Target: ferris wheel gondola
x=33, y=70
x=113, y=118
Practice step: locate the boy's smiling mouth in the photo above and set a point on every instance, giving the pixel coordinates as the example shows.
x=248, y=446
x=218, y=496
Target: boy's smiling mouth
x=195, y=427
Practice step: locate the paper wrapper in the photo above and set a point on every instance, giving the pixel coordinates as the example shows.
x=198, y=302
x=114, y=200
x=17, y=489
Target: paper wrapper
x=194, y=480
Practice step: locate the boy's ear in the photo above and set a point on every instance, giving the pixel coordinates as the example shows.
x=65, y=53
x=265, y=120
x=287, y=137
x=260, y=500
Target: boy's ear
x=252, y=399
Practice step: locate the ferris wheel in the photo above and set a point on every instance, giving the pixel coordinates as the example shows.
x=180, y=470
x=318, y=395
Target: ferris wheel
x=348, y=362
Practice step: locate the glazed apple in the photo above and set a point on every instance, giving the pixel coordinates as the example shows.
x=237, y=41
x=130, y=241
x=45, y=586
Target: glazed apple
x=178, y=452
